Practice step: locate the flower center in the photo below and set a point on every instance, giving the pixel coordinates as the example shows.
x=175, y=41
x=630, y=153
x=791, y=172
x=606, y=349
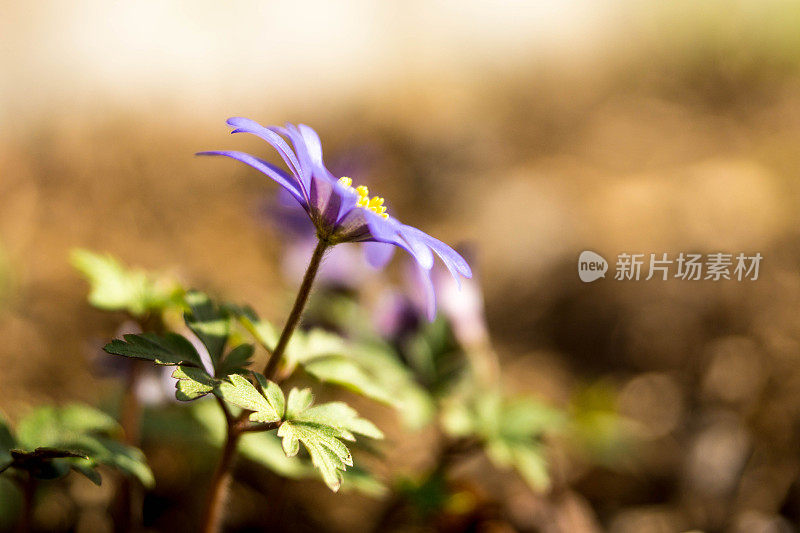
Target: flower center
x=374, y=204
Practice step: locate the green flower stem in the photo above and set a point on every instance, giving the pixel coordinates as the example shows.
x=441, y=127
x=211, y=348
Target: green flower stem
x=220, y=481
x=297, y=309
x=236, y=426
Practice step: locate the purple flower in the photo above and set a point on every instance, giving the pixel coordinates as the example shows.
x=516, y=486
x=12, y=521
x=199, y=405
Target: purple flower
x=340, y=212
x=345, y=267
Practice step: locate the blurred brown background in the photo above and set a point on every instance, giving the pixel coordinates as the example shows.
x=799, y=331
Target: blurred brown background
x=533, y=130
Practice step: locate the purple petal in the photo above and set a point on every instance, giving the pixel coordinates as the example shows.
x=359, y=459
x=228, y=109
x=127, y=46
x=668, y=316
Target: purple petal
x=313, y=146
x=426, y=284
x=348, y=202
x=324, y=200
x=382, y=229
x=245, y=125
x=300, y=149
x=389, y=230
x=452, y=259
x=354, y=224
x=378, y=254
x=283, y=179
x=420, y=250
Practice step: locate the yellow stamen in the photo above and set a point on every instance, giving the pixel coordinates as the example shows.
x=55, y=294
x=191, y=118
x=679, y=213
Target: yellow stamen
x=374, y=204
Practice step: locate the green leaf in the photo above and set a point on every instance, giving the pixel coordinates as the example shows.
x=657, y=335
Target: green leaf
x=491, y=416
x=85, y=419
x=87, y=468
x=40, y=428
x=167, y=349
x=212, y=419
x=525, y=418
x=47, y=462
x=364, y=369
x=340, y=415
x=347, y=373
x=265, y=448
x=209, y=322
x=362, y=481
x=328, y=454
x=436, y=359
x=531, y=464
x=44, y=453
x=53, y=440
x=240, y=392
x=44, y=462
x=125, y=458
x=320, y=429
x=369, y=369
x=458, y=420
x=262, y=331
x=299, y=401
x=413, y=403
x=192, y=383
x=236, y=360
x=510, y=430
x=116, y=288
x=274, y=395
x=304, y=346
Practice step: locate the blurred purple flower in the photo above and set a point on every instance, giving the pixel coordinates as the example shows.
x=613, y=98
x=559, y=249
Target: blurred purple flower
x=341, y=213
x=464, y=308
x=461, y=303
x=395, y=316
x=156, y=386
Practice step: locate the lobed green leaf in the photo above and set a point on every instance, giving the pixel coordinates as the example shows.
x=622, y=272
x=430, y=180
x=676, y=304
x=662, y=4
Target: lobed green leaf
x=51, y=441
x=236, y=360
x=320, y=430
x=117, y=288
x=240, y=392
x=168, y=349
x=193, y=383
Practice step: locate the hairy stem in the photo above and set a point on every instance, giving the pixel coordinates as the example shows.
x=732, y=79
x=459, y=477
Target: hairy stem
x=236, y=426
x=297, y=309
x=218, y=493
x=220, y=481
